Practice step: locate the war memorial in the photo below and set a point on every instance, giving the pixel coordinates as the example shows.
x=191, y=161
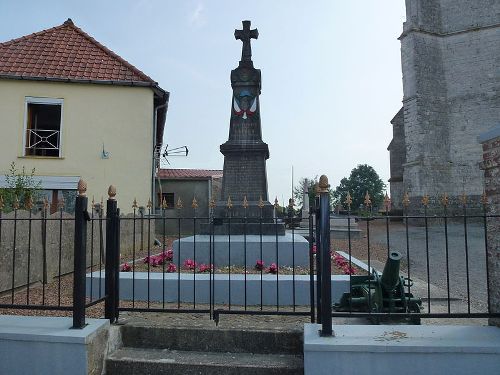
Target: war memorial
x=126, y=313
x=243, y=226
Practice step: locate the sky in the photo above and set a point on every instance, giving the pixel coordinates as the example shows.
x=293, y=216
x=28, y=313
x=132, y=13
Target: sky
x=331, y=73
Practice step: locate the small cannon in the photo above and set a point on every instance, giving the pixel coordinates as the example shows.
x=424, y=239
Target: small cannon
x=382, y=293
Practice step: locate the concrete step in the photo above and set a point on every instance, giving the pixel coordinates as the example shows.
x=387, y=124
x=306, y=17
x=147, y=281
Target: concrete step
x=163, y=361
x=213, y=339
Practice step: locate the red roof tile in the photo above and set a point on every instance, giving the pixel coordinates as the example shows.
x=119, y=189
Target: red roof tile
x=182, y=174
x=65, y=52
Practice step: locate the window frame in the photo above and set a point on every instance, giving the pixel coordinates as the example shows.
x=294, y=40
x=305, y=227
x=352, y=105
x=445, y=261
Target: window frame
x=47, y=101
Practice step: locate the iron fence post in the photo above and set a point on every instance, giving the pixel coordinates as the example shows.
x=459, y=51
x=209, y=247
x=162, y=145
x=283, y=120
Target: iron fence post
x=318, y=258
x=111, y=269
x=117, y=262
x=80, y=252
x=311, y=267
x=326, y=266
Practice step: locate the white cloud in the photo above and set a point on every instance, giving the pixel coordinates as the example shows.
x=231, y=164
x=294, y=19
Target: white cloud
x=197, y=17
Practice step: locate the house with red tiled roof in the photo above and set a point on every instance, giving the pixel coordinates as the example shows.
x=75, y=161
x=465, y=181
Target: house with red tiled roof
x=182, y=186
x=71, y=108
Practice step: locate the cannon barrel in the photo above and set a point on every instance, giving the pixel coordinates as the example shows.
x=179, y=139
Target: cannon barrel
x=390, y=276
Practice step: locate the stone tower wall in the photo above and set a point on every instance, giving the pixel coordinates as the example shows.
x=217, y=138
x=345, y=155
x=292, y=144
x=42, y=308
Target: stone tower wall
x=397, y=159
x=450, y=63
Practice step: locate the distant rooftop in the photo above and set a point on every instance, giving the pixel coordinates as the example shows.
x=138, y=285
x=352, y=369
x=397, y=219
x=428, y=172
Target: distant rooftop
x=186, y=174
x=65, y=52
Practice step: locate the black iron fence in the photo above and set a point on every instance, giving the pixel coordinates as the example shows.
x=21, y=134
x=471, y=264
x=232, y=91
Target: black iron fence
x=379, y=267
x=44, y=257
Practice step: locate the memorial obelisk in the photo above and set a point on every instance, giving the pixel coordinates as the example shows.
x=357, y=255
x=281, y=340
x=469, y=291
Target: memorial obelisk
x=245, y=154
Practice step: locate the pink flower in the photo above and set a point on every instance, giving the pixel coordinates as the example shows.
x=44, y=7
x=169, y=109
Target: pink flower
x=126, y=267
x=349, y=270
x=190, y=264
x=154, y=261
x=171, y=268
x=259, y=265
x=273, y=268
x=146, y=260
x=339, y=260
x=169, y=254
x=205, y=268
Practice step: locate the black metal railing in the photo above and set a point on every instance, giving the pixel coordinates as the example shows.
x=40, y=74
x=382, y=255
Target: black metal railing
x=238, y=272
x=167, y=261
x=444, y=271
x=45, y=258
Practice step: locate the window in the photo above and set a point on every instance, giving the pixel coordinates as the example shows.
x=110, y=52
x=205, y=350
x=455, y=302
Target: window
x=43, y=127
x=169, y=200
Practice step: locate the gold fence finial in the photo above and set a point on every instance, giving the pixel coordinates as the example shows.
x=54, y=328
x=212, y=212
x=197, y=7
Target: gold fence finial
x=61, y=203
x=29, y=202
x=276, y=203
x=323, y=185
x=291, y=203
x=179, y=203
x=245, y=202
x=229, y=202
x=16, y=203
x=1, y=202
x=348, y=200
x=93, y=202
x=194, y=203
x=164, y=204
x=463, y=199
x=484, y=199
x=387, y=202
x=211, y=204
x=112, y=192
x=425, y=200
x=406, y=199
x=82, y=188
x=150, y=204
x=445, y=200
x=45, y=203
x=134, y=204
x=261, y=202
x=368, y=201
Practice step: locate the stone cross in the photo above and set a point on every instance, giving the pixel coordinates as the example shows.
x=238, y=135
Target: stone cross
x=245, y=35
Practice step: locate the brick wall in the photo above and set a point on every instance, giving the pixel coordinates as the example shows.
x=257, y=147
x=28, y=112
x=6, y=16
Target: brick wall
x=491, y=167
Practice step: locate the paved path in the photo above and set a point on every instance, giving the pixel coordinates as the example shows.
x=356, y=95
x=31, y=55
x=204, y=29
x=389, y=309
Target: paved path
x=458, y=258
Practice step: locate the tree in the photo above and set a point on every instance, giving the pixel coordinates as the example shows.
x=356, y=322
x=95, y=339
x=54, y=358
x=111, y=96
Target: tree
x=19, y=185
x=362, y=179
x=298, y=191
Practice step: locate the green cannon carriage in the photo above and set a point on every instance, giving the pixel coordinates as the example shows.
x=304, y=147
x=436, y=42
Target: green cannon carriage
x=382, y=294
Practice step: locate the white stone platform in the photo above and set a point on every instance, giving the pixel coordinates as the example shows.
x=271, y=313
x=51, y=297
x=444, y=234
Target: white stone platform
x=48, y=345
x=412, y=350
x=287, y=250
x=276, y=289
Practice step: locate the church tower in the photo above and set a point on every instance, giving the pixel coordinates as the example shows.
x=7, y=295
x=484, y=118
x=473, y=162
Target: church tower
x=449, y=54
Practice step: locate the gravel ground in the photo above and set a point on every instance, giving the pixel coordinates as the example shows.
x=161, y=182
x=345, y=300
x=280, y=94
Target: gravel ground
x=435, y=270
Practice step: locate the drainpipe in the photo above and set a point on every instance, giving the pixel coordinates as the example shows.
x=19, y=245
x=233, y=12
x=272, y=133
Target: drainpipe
x=153, y=168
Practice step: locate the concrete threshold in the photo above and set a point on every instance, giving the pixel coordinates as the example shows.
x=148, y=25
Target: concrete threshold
x=416, y=349
x=51, y=345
